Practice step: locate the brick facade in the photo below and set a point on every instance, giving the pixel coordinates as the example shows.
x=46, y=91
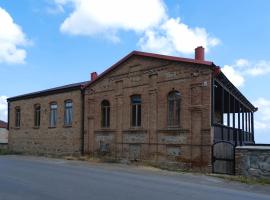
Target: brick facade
x=61, y=140
x=152, y=79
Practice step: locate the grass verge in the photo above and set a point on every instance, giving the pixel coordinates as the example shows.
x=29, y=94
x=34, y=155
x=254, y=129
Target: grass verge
x=4, y=152
x=244, y=179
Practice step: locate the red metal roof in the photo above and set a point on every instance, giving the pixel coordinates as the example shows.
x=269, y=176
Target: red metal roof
x=151, y=55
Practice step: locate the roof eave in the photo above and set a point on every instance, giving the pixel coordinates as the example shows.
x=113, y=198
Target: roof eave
x=242, y=97
x=43, y=93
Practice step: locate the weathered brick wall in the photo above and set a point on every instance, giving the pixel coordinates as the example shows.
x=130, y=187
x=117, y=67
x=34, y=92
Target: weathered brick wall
x=253, y=161
x=153, y=79
x=44, y=140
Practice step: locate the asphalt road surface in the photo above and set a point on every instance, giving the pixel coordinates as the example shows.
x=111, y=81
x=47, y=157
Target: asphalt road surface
x=25, y=177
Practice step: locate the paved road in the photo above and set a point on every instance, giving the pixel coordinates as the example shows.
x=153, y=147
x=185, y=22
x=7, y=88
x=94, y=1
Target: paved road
x=24, y=177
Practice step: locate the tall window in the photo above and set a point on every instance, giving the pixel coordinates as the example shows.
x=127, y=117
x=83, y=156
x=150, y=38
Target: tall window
x=136, y=110
x=68, y=112
x=174, y=109
x=37, y=116
x=17, y=117
x=105, y=113
x=53, y=114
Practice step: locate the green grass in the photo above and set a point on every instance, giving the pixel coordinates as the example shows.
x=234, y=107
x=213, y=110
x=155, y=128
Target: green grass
x=244, y=179
x=4, y=152
x=165, y=167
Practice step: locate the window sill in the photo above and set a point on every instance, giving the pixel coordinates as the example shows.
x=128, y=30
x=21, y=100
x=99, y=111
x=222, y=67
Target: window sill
x=173, y=130
x=36, y=127
x=105, y=130
x=67, y=126
x=135, y=127
x=51, y=127
x=16, y=128
x=135, y=130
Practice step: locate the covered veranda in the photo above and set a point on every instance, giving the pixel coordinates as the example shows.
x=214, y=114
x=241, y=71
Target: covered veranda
x=232, y=113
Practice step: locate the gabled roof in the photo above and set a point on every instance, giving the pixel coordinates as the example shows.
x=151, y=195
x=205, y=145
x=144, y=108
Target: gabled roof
x=3, y=124
x=151, y=55
x=226, y=81
x=83, y=85
x=65, y=88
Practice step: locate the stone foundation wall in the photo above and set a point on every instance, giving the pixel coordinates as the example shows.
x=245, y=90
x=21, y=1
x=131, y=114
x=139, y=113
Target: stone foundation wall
x=253, y=161
x=3, y=146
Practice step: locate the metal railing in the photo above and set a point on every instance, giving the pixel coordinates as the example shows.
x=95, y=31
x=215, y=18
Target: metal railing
x=236, y=136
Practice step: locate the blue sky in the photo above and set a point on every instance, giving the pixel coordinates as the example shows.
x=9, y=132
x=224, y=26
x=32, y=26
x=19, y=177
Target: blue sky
x=48, y=43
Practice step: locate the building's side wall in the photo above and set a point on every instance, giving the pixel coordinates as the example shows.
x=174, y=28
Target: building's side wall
x=152, y=79
x=60, y=140
x=3, y=135
x=253, y=161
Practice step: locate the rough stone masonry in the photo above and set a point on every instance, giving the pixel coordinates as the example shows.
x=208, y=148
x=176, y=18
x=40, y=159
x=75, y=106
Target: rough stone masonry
x=253, y=161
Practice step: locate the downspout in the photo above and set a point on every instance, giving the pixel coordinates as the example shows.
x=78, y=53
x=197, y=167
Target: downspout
x=8, y=116
x=8, y=125
x=82, y=121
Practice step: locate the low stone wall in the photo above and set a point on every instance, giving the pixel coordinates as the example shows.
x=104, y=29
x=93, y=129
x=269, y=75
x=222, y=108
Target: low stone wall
x=253, y=161
x=3, y=146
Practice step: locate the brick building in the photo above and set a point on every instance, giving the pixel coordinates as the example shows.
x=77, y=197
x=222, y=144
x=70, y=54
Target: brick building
x=47, y=122
x=145, y=107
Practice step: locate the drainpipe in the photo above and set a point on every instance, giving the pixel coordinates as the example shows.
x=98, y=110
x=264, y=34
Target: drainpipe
x=8, y=122
x=82, y=121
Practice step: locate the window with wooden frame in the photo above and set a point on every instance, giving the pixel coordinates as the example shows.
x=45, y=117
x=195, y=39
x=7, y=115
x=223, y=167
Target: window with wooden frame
x=53, y=114
x=174, y=100
x=105, y=114
x=37, y=110
x=68, y=113
x=17, y=117
x=136, y=110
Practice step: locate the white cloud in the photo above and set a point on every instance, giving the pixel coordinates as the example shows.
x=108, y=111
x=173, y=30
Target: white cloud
x=234, y=76
x=12, y=39
x=242, y=62
x=262, y=118
x=149, y=19
x=92, y=17
x=155, y=43
x=173, y=36
x=3, y=108
x=262, y=67
x=243, y=68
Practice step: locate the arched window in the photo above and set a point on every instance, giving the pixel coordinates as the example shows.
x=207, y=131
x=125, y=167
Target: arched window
x=68, y=113
x=53, y=114
x=105, y=114
x=37, y=115
x=136, y=110
x=174, y=99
